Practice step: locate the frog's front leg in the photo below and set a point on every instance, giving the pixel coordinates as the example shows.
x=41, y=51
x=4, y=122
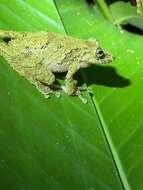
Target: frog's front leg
x=70, y=86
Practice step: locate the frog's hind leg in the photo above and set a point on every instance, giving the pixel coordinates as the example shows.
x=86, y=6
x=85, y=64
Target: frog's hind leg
x=43, y=80
x=43, y=88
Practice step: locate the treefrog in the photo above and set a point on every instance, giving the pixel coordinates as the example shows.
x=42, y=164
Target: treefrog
x=38, y=55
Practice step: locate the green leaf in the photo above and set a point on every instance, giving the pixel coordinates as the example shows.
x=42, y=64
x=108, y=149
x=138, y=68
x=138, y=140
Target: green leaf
x=125, y=13
x=62, y=143
x=30, y=15
x=52, y=143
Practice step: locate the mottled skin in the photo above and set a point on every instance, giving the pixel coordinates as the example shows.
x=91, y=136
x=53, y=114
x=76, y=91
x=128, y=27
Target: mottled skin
x=37, y=56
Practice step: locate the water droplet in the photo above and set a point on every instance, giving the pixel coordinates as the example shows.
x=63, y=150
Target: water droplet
x=130, y=51
x=122, y=31
x=91, y=23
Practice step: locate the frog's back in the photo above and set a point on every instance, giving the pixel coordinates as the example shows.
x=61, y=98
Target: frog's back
x=53, y=47
x=46, y=47
x=60, y=46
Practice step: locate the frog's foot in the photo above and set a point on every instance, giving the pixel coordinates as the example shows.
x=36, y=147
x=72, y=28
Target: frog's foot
x=78, y=93
x=55, y=90
x=46, y=90
x=57, y=94
x=83, y=87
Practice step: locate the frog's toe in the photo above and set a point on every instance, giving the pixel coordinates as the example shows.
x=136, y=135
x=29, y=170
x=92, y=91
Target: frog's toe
x=47, y=96
x=82, y=87
x=57, y=94
x=78, y=93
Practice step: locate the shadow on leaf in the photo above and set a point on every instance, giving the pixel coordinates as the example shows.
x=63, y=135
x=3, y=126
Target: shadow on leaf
x=103, y=75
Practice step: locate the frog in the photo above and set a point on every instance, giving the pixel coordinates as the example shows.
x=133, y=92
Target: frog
x=37, y=56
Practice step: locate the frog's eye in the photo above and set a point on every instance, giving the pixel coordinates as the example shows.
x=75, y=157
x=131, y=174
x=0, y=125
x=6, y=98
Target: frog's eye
x=100, y=53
